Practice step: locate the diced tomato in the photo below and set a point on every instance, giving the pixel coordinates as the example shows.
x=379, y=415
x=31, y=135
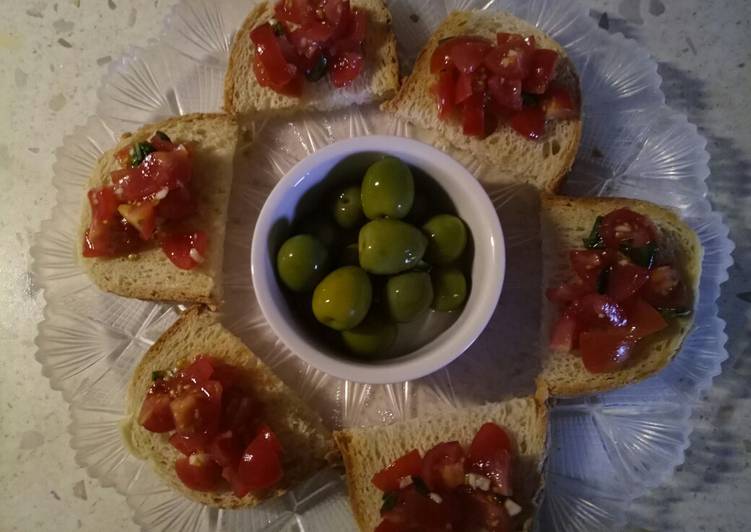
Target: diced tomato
x=559, y=104
x=226, y=374
x=123, y=156
x=241, y=415
x=415, y=511
x=197, y=408
x=295, y=11
x=261, y=467
x=468, y=48
x=463, y=88
x=542, y=70
x=490, y=455
x=159, y=171
x=483, y=512
x=666, y=289
x=388, y=526
x=186, y=250
x=588, y=263
x=353, y=39
x=445, y=89
x=188, y=443
x=467, y=56
x=626, y=226
x=141, y=215
x=346, y=68
x=505, y=93
x=565, y=333
x=103, y=202
x=567, y=292
x=473, y=117
x=509, y=62
x=200, y=371
x=408, y=465
x=529, y=122
x=225, y=449
x=514, y=40
x=155, y=414
x=268, y=53
x=643, y=318
x=337, y=13
x=238, y=486
x=605, y=350
x=110, y=239
x=626, y=279
x=179, y=204
x=293, y=88
x=598, y=310
x=198, y=472
x=161, y=142
x=443, y=466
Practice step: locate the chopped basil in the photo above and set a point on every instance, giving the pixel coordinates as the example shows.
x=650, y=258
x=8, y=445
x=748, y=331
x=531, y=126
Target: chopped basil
x=594, y=240
x=675, y=312
x=420, y=485
x=602, y=280
x=139, y=151
x=643, y=256
x=157, y=375
x=162, y=136
x=319, y=69
x=390, y=499
x=530, y=100
x=277, y=28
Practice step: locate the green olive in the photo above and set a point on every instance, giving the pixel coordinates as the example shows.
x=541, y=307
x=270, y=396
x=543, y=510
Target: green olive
x=372, y=338
x=449, y=288
x=349, y=255
x=388, y=189
x=348, y=208
x=447, y=238
x=342, y=299
x=301, y=262
x=408, y=295
x=390, y=246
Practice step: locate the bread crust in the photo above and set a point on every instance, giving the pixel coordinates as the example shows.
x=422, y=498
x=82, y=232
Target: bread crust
x=563, y=374
x=505, y=149
x=307, y=444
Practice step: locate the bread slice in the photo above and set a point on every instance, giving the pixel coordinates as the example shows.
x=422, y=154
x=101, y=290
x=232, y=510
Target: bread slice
x=150, y=274
x=368, y=450
x=243, y=95
x=564, y=223
x=515, y=159
x=307, y=444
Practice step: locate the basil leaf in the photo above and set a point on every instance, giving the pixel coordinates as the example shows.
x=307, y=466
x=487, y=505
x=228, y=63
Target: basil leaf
x=675, y=312
x=277, y=28
x=157, y=375
x=162, y=136
x=319, y=69
x=390, y=499
x=644, y=256
x=594, y=240
x=139, y=151
x=420, y=485
x=602, y=280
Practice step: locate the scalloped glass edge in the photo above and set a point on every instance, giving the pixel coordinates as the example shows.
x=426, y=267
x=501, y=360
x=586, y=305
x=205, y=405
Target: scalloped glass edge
x=718, y=268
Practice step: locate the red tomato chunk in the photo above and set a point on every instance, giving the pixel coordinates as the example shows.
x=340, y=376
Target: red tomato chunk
x=218, y=427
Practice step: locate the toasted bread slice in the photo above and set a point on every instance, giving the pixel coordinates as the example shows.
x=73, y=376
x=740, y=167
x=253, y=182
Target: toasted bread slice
x=368, y=450
x=542, y=163
x=150, y=274
x=564, y=223
x=243, y=96
x=307, y=444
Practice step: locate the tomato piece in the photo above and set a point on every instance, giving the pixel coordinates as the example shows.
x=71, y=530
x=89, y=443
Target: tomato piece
x=353, y=39
x=529, y=122
x=625, y=280
x=473, y=116
x=514, y=40
x=103, y=202
x=188, y=443
x=226, y=374
x=589, y=263
x=626, y=226
x=467, y=56
x=337, y=13
x=415, y=511
x=112, y=238
x=666, y=289
x=155, y=414
x=177, y=205
x=483, y=512
x=509, y=62
x=159, y=172
x=293, y=88
x=605, y=350
x=268, y=53
x=260, y=467
x=443, y=55
x=225, y=449
x=444, y=90
x=197, y=408
x=598, y=310
x=161, y=142
x=506, y=94
x=142, y=216
x=186, y=250
x=565, y=333
x=295, y=11
x=345, y=69
x=239, y=487
x=463, y=88
x=567, y=292
x=241, y=415
x=643, y=318
x=198, y=472
x=490, y=455
x=387, y=479
x=542, y=70
x=388, y=526
x=559, y=104
x=443, y=466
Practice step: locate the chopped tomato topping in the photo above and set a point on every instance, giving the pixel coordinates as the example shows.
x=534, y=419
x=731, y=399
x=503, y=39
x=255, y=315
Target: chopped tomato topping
x=643, y=318
x=141, y=215
x=490, y=455
x=506, y=94
x=225, y=449
x=445, y=89
x=565, y=334
x=443, y=466
x=529, y=122
x=198, y=472
x=483, y=512
x=261, y=466
x=408, y=465
x=626, y=279
x=473, y=121
x=559, y=103
x=665, y=289
x=605, y=350
x=186, y=250
x=543, y=63
x=346, y=68
x=269, y=54
x=626, y=226
x=155, y=414
x=188, y=443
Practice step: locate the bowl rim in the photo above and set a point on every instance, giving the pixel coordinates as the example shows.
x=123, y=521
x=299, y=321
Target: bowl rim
x=442, y=349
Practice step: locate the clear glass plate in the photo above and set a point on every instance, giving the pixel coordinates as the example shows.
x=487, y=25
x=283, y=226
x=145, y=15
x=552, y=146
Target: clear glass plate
x=605, y=450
